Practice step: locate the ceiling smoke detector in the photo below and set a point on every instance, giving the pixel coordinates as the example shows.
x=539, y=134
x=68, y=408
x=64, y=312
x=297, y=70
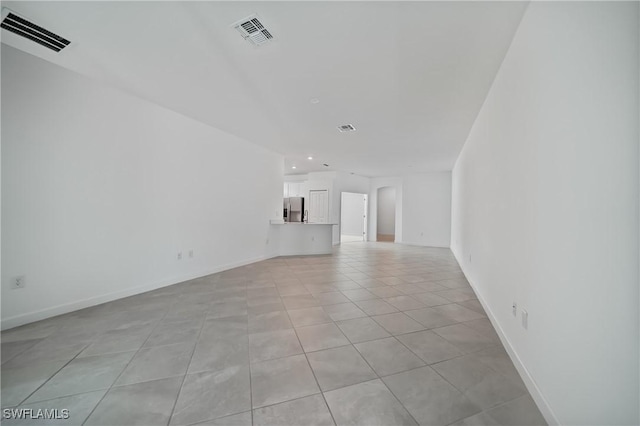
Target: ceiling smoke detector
x=253, y=30
x=24, y=28
x=347, y=128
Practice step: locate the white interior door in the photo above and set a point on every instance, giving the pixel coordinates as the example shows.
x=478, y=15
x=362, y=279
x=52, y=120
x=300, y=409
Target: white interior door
x=353, y=217
x=319, y=206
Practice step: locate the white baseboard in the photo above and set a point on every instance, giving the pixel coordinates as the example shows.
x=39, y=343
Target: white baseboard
x=409, y=243
x=530, y=383
x=53, y=311
x=310, y=252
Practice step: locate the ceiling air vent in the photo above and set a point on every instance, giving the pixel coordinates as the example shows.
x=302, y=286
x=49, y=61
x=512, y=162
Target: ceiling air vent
x=346, y=128
x=29, y=30
x=252, y=30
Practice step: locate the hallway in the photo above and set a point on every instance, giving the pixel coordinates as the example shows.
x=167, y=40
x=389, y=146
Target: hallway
x=373, y=334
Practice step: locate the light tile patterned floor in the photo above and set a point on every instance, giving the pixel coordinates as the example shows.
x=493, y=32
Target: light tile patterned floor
x=375, y=334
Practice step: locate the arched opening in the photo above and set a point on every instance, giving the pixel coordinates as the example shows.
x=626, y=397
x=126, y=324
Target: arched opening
x=386, y=214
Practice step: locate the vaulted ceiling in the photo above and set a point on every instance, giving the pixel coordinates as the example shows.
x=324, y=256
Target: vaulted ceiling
x=410, y=76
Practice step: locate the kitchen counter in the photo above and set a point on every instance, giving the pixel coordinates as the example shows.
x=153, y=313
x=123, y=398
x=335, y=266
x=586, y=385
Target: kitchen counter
x=273, y=222
x=299, y=238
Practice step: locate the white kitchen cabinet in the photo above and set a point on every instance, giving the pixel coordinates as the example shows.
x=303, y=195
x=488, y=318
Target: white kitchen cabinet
x=297, y=189
x=294, y=189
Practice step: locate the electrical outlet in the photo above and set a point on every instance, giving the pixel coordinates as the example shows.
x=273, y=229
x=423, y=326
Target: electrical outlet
x=514, y=309
x=191, y=253
x=179, y=255
x=18, y=282
x=525, y=319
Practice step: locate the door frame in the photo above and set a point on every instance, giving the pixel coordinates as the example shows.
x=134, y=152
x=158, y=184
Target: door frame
x=365, y=233
x=365, y=215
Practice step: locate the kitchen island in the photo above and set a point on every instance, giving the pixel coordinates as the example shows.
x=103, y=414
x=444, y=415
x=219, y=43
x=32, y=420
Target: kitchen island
x=299, y=238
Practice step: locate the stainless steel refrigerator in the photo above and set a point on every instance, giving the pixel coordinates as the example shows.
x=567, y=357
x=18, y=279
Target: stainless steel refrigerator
x=294, y=209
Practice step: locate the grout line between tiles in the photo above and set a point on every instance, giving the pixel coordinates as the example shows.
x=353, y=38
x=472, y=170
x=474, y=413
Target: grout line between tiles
x=125, y=367
x=51, y=376
x=313, y=372
x=249, y=360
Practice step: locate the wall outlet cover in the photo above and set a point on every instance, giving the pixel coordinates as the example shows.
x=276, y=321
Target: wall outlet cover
x=18, y=282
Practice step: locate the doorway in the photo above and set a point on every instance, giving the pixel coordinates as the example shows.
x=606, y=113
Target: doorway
x=353, y=217
x=386, y=217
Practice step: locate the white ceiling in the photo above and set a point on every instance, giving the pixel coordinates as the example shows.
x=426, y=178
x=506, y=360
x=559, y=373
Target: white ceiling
x=410, y=76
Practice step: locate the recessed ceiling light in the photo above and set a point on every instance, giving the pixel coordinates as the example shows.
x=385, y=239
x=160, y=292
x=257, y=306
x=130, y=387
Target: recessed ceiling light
x=315, y=101
x=309, y=158
x=293, y=167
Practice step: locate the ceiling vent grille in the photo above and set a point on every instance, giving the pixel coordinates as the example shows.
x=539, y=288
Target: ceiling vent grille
x=347, y=128
x=20, y=26
x=252, y=30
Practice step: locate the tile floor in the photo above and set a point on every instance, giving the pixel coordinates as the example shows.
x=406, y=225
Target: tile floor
x=375, y=334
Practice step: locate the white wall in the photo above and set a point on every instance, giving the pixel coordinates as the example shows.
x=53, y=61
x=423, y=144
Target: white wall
x=100, y=190
x=422, y=208
x=387, y=210
x=351, y=214
x=426, y=213
x=545, y=208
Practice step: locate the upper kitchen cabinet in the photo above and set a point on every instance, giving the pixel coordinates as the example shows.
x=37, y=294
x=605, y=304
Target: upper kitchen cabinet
x=294, y=189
